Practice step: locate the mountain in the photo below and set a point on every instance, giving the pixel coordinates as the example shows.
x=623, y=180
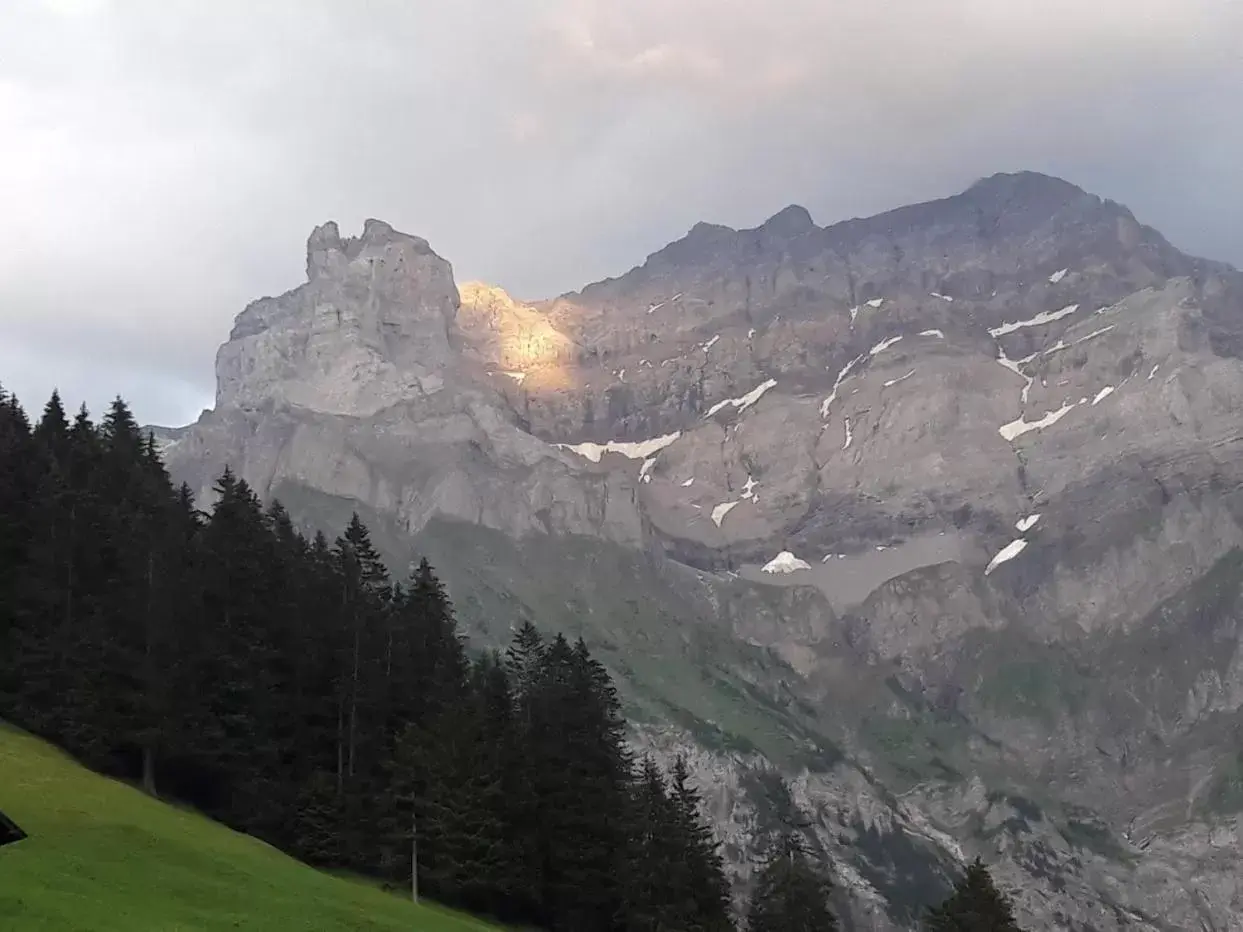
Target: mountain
x=935, y=514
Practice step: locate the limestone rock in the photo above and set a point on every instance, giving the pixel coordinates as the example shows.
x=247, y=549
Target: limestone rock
x=1020, y=376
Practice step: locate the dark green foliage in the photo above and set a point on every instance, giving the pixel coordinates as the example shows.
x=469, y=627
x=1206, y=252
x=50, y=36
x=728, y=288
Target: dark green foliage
x=791, y=894
x=9, y=832
x=976, y=905
x=289, y=688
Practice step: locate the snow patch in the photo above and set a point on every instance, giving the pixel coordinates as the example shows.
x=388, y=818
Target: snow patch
x=1102, y=394
x=1094, y=333
x=1007, y=363
x=721, y=510
x=1056, y=347
x=748, y=488
x=711, y=343
x=849, y=436
x=903, y=378
x=884, y=345
x=518, y=377
x=841, y=376
x=635, y=450
x=745, y=401
x=1007, y=553
x=785, y=562
x=645, y=471
x=1016, y=429
x=1154, y=371
x=932, y=333
x=1026, y=524
x=943, y=297
x=1058, y=276
x=751, y=334
x=656, y=307
x=1015, y=366
x=688, y=483
x=854, y=312
x=876, y=302
x=1044, y=317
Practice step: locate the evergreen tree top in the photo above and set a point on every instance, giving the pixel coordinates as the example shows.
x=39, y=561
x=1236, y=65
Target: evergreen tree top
x=791, y=893
x=976, y=905
x=54, y=410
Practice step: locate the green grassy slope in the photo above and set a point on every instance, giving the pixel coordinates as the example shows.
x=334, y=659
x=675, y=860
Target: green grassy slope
x=103, y=857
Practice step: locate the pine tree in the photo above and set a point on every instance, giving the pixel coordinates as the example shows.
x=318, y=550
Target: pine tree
x=235, y=658
x=791, y=894
x=52, y=431
x=582, y=779
x=284, y=687
x=524, y=660
x=364, y=591
x=524, y=665
x=658, y=886
x=704, y=887
x=43, y=595
x=976, y=905
x=18, y=481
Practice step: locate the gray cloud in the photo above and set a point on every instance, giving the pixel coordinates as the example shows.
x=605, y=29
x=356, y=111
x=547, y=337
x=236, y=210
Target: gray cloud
x=163, y=160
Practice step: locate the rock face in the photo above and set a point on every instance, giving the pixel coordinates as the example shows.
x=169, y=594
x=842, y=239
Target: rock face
x=369, y=328
x=937, y=513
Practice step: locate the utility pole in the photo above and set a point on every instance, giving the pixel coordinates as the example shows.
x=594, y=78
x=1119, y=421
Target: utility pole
x=414, y=857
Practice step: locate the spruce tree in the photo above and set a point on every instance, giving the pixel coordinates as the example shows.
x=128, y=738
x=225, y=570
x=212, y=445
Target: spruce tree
x=705, y=894
x=284, y=687
x=18, y=482
x=44, y=594
x=235, y=657
x=364, y=592
x=657, y=896
x=524, y=665
x=976, y=905
x=791, y=894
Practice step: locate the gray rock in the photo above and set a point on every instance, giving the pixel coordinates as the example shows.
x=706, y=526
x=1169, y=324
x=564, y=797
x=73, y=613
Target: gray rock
x=1018, y=634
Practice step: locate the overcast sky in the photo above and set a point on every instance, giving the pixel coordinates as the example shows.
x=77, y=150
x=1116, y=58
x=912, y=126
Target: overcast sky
x=161, y=162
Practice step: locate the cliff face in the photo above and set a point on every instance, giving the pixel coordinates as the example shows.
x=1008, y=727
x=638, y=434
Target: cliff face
x=935, y=512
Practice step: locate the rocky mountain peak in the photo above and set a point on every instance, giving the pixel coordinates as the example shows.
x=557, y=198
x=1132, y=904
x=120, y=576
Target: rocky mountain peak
x=327, y=250
x=956, y=470
x=1026, y=187
x=368, y=327
x=790, y=222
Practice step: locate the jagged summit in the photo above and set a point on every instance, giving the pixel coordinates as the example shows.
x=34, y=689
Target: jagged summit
x=1016, y=213
x=790, y=221
x=325, y=247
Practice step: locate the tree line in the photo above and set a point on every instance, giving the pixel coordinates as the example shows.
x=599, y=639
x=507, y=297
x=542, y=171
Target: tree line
x=290, y=688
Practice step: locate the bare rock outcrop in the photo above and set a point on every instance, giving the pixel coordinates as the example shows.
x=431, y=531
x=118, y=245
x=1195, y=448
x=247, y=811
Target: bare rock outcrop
x=938, y=510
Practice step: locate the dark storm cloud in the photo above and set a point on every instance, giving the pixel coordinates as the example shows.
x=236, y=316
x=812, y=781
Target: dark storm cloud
x=163, y=161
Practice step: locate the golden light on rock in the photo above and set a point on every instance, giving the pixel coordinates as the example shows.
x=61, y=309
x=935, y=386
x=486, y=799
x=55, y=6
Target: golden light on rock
x=514, y=337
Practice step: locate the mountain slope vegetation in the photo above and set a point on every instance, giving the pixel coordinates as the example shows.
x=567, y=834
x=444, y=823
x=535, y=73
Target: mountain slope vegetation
x=289, y=689
x=103, y=856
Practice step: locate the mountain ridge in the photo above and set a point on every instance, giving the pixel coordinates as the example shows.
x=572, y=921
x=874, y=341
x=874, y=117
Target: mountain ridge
x=1000, y=418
